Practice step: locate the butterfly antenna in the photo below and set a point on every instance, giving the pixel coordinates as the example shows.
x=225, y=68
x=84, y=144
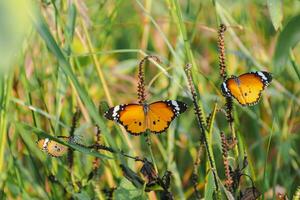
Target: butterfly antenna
x=141, y=78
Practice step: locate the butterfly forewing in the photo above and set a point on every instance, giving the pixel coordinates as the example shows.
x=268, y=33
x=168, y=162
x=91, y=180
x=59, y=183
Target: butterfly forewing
x=161, y=114
x=131, y=116
x=43, y=143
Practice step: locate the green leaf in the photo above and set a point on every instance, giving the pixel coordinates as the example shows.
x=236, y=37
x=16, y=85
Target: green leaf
x=226, y=192
x=127, y=190
x=81, y=196
x=209, y=187
x=70, y=28
x=275, y=10
x=132, y=176
x=287, y=39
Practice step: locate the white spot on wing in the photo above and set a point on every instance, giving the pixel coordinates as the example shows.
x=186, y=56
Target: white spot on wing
x=115, y=111
x=225, y=87
x=175, y=104
x=46, y=143
x=262, y=76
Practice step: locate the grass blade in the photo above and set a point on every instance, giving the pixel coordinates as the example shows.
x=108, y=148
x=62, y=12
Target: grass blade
x=287, y=40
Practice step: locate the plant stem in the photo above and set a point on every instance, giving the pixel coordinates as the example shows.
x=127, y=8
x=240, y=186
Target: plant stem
x=5, y=87
x=198, y=113
x=148, y=141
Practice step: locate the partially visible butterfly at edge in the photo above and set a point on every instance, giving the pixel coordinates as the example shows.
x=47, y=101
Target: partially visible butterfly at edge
x=138, y=118
x=246, y=88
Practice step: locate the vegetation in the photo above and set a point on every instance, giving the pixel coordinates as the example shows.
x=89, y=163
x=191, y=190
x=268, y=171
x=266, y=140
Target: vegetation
x=64, y=63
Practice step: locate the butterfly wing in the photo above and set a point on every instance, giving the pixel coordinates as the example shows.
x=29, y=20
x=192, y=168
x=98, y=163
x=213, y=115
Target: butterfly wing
x=131, y=116
x=161, y=114
x=251, y=87
x=43, y=143
x=246, y=88
x=56, y=149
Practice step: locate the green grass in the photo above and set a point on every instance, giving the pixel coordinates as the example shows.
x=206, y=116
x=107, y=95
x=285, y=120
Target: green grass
x=58, y=57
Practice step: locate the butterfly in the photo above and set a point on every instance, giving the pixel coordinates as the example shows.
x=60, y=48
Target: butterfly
x=138, y=118
x=54, y=148
x=246, y=88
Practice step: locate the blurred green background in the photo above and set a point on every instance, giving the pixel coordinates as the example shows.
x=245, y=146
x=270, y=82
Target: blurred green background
x=57, y=55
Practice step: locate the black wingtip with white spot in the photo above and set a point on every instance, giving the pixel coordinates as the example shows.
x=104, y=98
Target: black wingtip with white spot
x=113, y=113
x=109, y=114
x=224, y=89
x=178, y=107
x=266, y=77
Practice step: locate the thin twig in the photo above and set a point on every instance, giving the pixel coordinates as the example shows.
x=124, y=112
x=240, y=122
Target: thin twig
x=96, y=161
x=71, y=136
x=135, y=158
x=200, y=120
x=75, y=119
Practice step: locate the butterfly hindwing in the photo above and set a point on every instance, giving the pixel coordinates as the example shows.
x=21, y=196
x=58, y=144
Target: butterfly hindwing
x=246, y=88
x=131, y=116
x=56, y=149
x=161, y=114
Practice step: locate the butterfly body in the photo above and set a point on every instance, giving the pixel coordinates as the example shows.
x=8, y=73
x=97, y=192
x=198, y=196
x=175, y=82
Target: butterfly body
x=246, y=88
x=138, y=118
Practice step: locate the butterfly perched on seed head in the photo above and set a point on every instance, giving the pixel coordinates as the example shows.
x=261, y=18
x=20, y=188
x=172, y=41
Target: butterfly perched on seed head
x=246, y=88
x=138, y=118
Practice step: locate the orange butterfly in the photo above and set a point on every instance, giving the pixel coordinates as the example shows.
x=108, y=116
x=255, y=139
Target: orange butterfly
x=246, y=88
x=137, y=118
x=54, y=148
